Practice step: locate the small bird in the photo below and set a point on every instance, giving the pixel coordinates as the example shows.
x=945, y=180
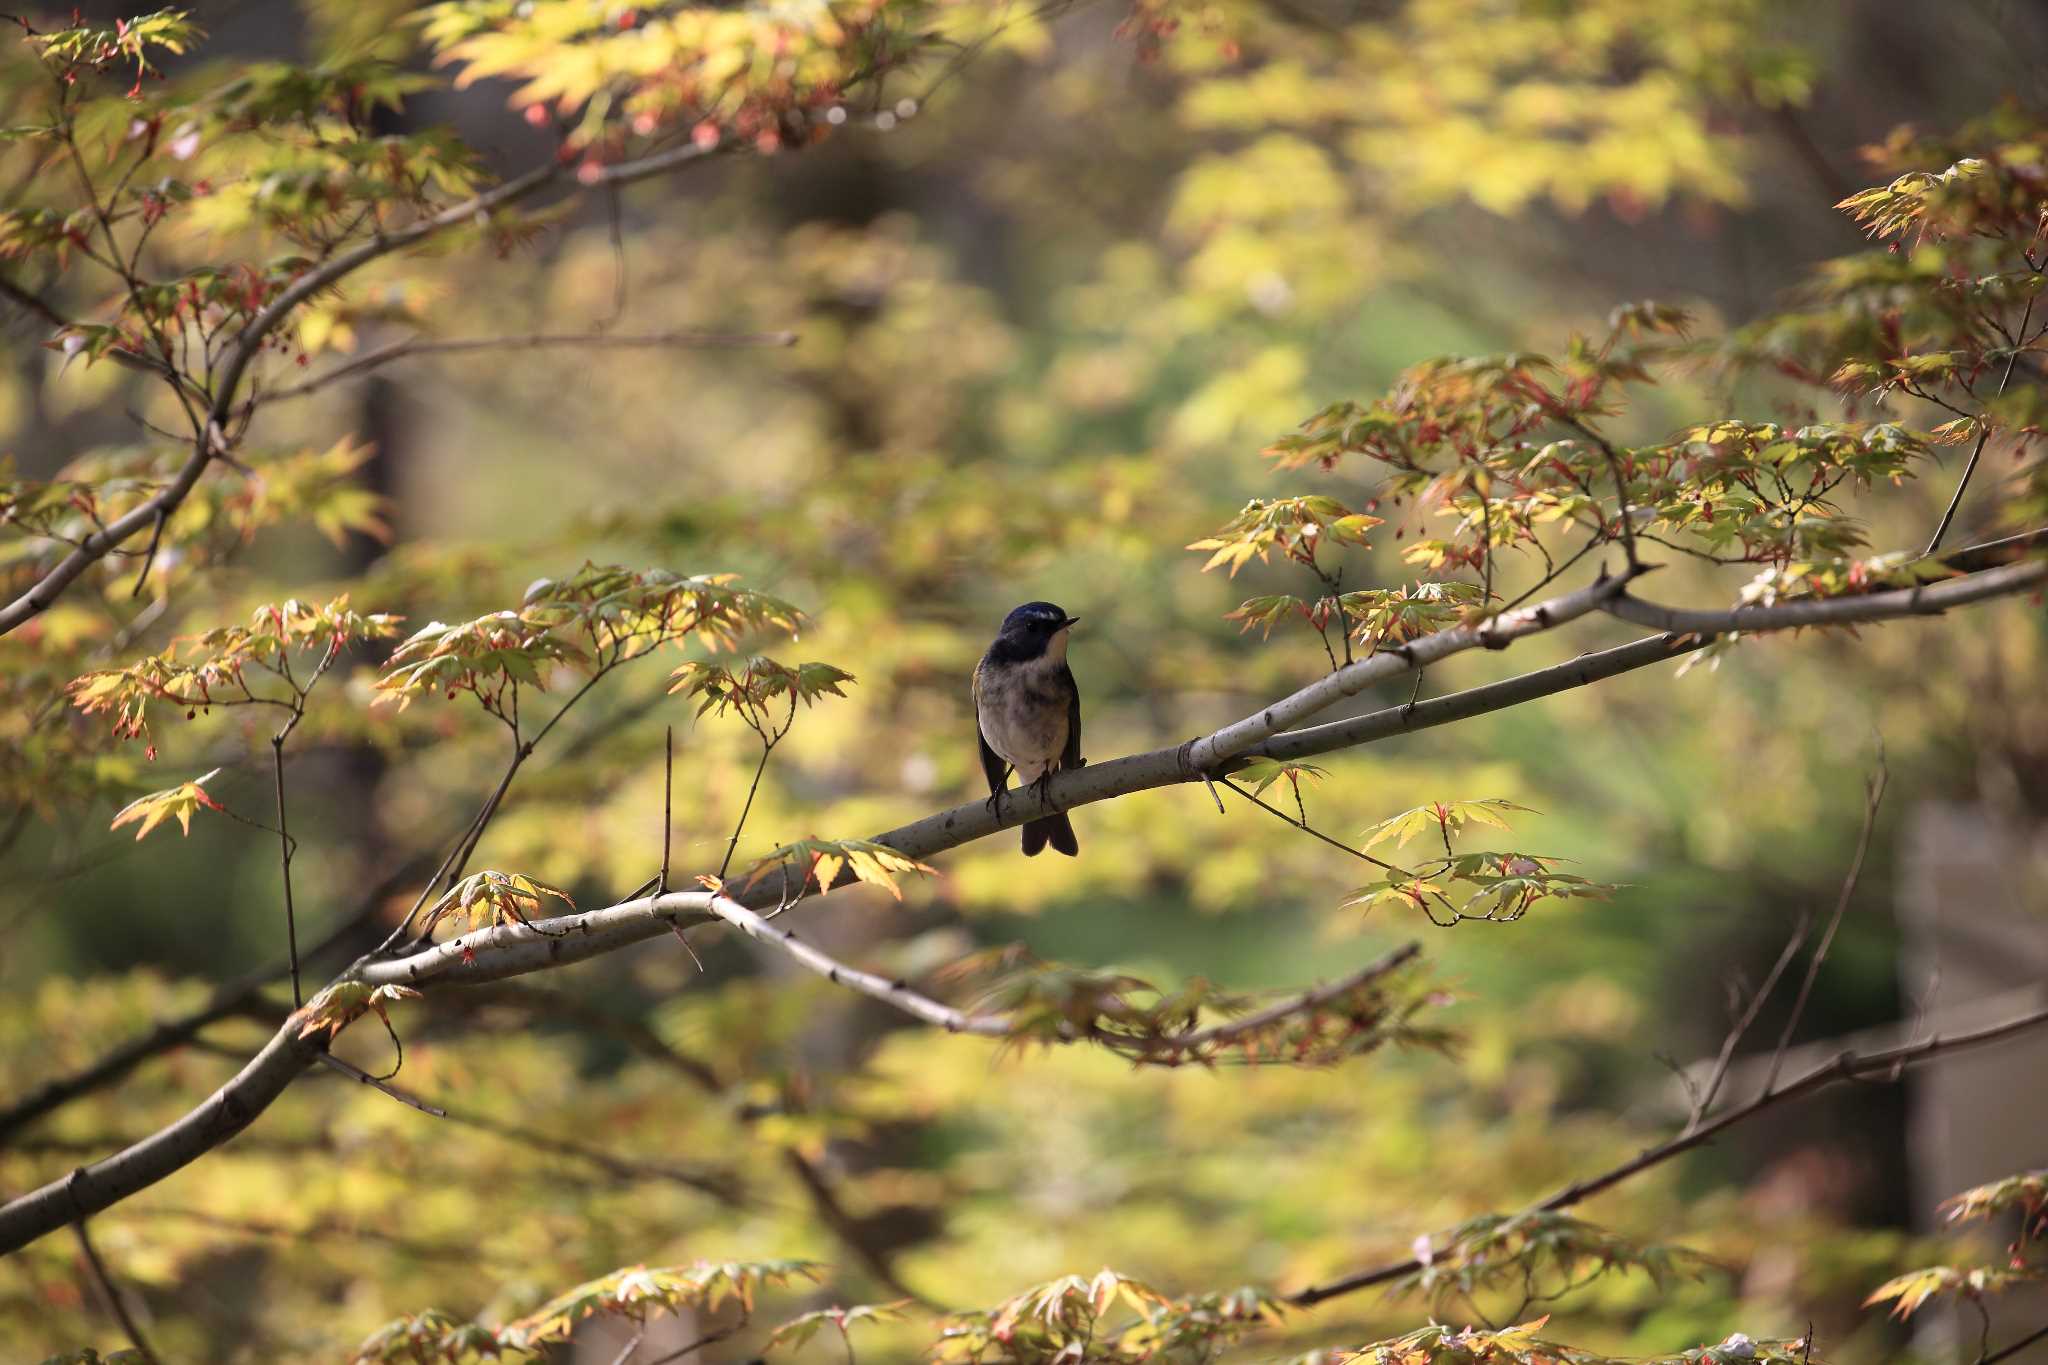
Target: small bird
x=1029, y=713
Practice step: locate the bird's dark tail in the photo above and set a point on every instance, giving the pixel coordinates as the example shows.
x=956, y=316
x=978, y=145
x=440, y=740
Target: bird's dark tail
x=1056, y=830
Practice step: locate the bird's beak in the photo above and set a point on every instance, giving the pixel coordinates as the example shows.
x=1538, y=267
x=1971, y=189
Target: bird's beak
x=1071, y=620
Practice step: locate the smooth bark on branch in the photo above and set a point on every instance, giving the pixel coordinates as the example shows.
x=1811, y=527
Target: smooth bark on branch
x=513, y=950
x=1208, y=754
x=1927, y=600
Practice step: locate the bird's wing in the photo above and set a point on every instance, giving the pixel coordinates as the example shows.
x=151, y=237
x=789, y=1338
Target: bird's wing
x=992, y=764
x=1070, y=757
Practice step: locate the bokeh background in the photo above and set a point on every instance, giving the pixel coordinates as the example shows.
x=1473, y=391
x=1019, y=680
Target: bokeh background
x=1044, y=325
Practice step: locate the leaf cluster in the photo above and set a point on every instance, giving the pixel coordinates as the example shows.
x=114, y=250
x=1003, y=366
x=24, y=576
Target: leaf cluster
x=494, y=898
x=1539, y=1255
x=590, y=622
x=214, y=668
x=1073, y=1321
x=1439, y=1344
x=1196, y=1023
x=2023, y=1197
x=1294, y=527
x=633, y=1294
x=760, y=75
x=817, y=864
x=1498, y=887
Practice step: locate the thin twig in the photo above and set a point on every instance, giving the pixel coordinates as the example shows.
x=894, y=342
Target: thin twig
x=894, y=993
x=1704, y=1100
x=110, y=1295
x=767, y=748
x=356, y=1073
x=633, y=1343
x=1306, y=828
x=285, y=851
x=1847, y=1066
x=156, y=538
x=720, y=1185
x=709, y=1339
x=1983, y=435
x=668, y=786
x=598, y=340
x=2015, y=1348
x=1228, y=1032
x=1873, y=794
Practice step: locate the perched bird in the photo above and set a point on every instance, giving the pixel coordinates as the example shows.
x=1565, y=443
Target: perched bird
x=1029, y=713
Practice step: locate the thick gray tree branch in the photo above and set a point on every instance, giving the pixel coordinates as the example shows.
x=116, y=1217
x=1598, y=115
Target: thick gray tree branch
x=1208, y=754
x=1927, y=600
x=512, y=950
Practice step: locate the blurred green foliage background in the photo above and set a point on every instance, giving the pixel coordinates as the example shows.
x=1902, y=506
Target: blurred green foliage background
x=1044, y=322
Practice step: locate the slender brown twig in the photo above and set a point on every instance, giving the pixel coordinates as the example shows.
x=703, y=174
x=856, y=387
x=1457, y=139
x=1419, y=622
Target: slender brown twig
x=1873, y=795
x=1983, y=435
x=534, y=341
x=1846, y=1066
x=110, y=1295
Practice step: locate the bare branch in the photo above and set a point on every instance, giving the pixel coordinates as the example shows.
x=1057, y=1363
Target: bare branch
x=719, y=1184
x=381, y=1084
x=1231, y=1031
x=1847, y=1066
x=537, y=341
x=243, y=995
x=1983, y=435
x=1583, y=671
x=110, y=1295
x=1928, y=600
x=1873, y=796
x=1704, y=1099
x=893, y=993
x=1210, y=753
x=512, y=950
x=2014, y=1348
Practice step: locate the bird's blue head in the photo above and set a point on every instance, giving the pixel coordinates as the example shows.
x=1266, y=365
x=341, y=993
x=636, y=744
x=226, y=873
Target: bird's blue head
x=1037, y=618
x=1032, y=629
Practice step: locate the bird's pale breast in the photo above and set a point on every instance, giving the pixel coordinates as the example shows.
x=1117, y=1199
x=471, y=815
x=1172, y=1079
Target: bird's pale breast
x=1023, y=715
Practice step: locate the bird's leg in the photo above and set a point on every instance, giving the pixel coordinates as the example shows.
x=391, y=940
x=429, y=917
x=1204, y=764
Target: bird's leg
x=995, y=797
x=1041, y=787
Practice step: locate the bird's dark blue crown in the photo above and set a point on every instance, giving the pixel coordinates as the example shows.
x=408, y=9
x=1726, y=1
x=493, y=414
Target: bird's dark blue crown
x=1035, y=617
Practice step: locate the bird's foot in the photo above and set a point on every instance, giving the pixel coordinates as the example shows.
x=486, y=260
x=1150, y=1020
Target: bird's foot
x=995, y=803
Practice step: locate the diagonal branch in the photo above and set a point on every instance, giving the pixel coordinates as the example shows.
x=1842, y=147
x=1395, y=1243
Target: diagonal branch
x=1928, y=600
x=1983, y=433
x=892, y=993
x=110, y=1295
x=1244, y=1026
x=1873, y=797
x=243, y=995
x=1210, y=753
x=1847, y=1066
x=1583, y=671
x=513, y=950
x=536, y=341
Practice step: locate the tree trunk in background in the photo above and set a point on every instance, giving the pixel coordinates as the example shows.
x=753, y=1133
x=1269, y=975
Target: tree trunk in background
x=1976, y=950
